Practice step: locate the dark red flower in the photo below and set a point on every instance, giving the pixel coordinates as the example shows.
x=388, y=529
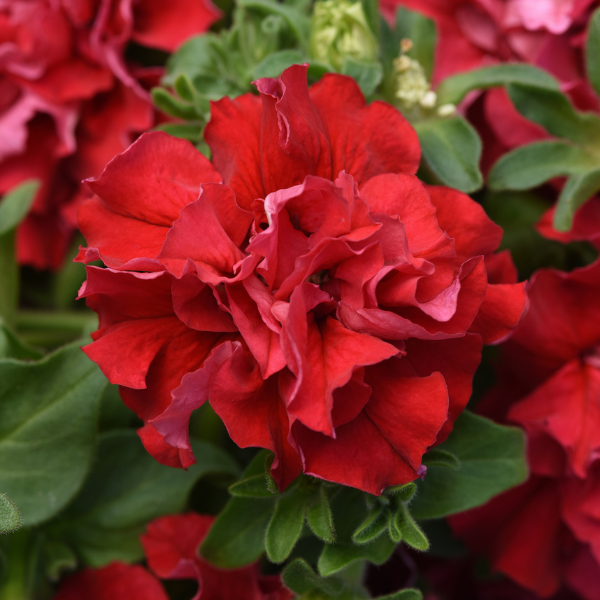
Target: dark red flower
x=171, y=548
x=315, y=298
x=543, y=532
x=63, y=63
x=116, y=581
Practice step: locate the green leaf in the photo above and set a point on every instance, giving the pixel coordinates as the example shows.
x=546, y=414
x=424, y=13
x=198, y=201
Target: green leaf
x=553, y=111
x=453, y=89
x=11, y=346
x=452, y=149
x=320, y=519
x=299, y=577
x=592, y=51
x=10, y=519
x=404, y=491
x=576, y=191
x=348, y=514
x=394, y=526
x=58, y=557
x=126, y=489
x=372, y=527
x=492, y=460
x=48, y=413
x=15, y=205
x=441, y=458
x=13, y=208
x=531, y=165
x=274, y=64
x=411, y=532
x=185, y=131
x=286, y=524
x=336, y=557
x=173, y=106
x=410, y=594
x=237, y=537
x=252, y=487
x=421, y=32
x=368, y=75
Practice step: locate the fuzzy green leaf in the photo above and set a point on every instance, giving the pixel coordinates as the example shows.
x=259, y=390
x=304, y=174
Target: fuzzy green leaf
x=320, y=519
x=126, y=489
x=453, y=89
x=252, y=487
x=15, y=205
x=299, y=577
x=368, y=75
x=286, y=524
x=404, y=491
x=372, y=527
x=411, y=532
x=274, y=64
x=48, y=413
x=441, y=458
x=530, y=166
x=492, y=459
x=10, y=519
x=553, y=111
x=592, y=51
x=577, y=190
x=410, y=594
x=452, y=149
x=237, y=537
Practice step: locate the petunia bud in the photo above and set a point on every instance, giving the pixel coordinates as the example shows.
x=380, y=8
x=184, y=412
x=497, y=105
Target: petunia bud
x=340, y=30
x=412, y=87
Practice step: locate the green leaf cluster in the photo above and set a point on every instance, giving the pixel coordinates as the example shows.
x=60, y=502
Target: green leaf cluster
x=575, y=151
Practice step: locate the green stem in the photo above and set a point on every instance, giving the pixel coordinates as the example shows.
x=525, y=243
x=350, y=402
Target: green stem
x=14, y=586
x=9, y=292
x=52, y=328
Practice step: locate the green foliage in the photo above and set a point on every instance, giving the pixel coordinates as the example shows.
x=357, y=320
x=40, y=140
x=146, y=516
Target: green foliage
x=12, y=346
x=552, y=110
x=534, y=164
x=492, y=460
x=299, y=577
x=517, y=213
x=575, y=192
x=592, y=51
x=368, y=75
x=452, y=149
x=421, y=32
x=440, y=458
x=126, y=489
x=10, y=519
x=320, y=518
x=286, y=524
x=13, y=208
x=454, y=89
x=48, y=413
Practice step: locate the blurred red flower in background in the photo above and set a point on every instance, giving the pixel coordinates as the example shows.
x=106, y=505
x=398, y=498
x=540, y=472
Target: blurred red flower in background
x=69, y=100
x=171, y=548
x=548, y=530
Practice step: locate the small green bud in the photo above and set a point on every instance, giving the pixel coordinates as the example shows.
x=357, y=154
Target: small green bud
x=412, y=87
x=339, y=31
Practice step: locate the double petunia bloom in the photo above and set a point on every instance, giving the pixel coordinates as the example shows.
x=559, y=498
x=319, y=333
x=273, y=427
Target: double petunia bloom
x=328, y=304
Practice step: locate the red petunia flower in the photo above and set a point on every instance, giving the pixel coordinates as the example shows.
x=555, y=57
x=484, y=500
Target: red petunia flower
x=116, y=581
x=547, y=531
x=171, y=547
x=69, y=102
x=320, y=296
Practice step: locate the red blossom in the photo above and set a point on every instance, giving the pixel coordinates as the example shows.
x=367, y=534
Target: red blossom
x=171, y=547
x=116, y=581
x=543, y=532
x=320, y=295
x=63, y=63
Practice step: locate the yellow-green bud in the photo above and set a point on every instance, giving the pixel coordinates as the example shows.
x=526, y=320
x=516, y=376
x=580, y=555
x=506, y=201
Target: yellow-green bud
x=339, y=31
x=412, y=87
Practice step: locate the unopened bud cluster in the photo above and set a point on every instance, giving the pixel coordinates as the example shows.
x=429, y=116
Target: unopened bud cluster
x=339, y=31
x=412, y=87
